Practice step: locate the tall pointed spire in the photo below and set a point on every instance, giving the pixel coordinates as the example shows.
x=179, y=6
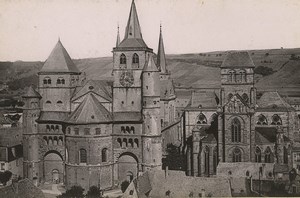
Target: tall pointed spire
x=161, y=57
x=118, y=38
x=133, y=29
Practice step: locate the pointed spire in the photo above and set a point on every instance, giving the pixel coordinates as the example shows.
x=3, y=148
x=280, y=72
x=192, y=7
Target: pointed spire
x=118, y=38
x=161, y=57
x=150, y=64
x=133, y=29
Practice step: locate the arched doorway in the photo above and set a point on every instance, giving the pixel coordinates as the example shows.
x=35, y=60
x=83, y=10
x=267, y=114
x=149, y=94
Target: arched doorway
x=53, y=168
x=128, y=167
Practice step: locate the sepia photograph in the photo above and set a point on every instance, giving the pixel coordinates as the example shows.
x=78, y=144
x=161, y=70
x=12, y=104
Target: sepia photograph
x=149, y=98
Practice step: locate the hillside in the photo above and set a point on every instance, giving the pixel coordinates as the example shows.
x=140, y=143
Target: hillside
x=275, y=69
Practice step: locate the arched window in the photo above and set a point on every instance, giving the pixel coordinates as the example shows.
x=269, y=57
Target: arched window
x=48, y=102
x=122, y=59
x=49, y=81
x=58, y=81
x=257, y=155
x=268, y=155
x=245, y=97
x=262, y=120
x=206, y=162
x=132, y=130
x=62, y=81
x=122, y=129
x=104, y=155
x=231, y=76
x=59, y=102
x=236, y=130
x=276, y=120
x=135, y=59
x=236, y=155
x=82, y=156
x=243, y=76
x=201, y=119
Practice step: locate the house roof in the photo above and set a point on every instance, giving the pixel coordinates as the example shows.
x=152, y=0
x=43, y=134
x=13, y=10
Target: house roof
x=59, y=61
x=56, y=116
x=99, y=87
x=204, y=99
x=237, y=59
x=156, y=183
x=273, y=101
x=90, y=111
x=23, y=188
x=31, y=93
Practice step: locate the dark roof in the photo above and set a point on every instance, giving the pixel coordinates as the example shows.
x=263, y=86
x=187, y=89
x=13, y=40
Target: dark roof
x=90, y=111
x=265, y=135
x=99, y=87
x=127, y=116
x=56, y=116
x=167, y=90
x=150, y=65
x=161, y=57
x=133, y=42
x=31, y=93
x=59, y=61
x=204, y=99
x=273, y=101
x=23, y=188
x=238, y=59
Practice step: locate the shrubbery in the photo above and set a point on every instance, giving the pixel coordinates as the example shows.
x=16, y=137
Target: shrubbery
x=265, y=71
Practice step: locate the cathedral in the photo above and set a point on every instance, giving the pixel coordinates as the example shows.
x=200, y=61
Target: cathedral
x=101, y=133
x=93, y=132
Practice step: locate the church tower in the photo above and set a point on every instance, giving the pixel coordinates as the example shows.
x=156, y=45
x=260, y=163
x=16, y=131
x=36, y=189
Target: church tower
x=31, y=112
x=152, y=151
x=236, y=129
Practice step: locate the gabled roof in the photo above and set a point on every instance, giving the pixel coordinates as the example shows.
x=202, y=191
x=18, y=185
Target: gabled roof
x=59, y=61
x=273, y=101
x=161, y=57
x=98, y=87
x=150, y=65
x=31, y=93
x=204, y=99
x=90, y=111
x=238, y=59
x=133, y=35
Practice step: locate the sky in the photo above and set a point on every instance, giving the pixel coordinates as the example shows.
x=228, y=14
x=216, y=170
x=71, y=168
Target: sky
x=29, y=29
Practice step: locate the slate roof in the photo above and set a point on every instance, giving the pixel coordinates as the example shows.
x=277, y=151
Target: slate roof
x=238, y=59
x=127, y=116
x=161, y=57
x=272, y=101
x=99, y=87
x=266, y=135
x=56, y=116
x=133, y=35
x=31, y=93
x=90, y=111
x=59, y=61
x=204, y=98
x=150, y=65
x=21, y=189
x=156, y=183
x=167, y=90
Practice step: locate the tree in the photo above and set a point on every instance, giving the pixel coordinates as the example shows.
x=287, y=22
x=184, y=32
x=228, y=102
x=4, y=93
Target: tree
x=73, y=192
x=5, y=177
x=94, y=192
x=124, y=185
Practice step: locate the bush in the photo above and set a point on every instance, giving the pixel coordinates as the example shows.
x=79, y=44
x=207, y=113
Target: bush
x=265, y=71
x=94, y=192
x=124, y=185
x=73, y=192
x=5, y=177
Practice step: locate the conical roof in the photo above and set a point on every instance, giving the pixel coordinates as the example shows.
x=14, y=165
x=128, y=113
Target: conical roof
x=90, y=111
x=31, y=93
x=133, y=35
x=59, y=61
x=150, y=65
x=161, y=57
x=238, y=59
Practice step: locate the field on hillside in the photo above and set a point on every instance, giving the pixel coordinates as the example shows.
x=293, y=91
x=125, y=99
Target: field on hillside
x=276, y=69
